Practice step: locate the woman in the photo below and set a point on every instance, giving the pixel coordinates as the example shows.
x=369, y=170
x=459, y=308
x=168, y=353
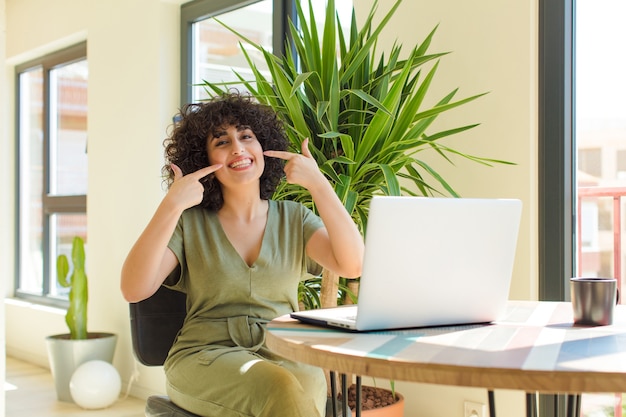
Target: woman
x=238, y=256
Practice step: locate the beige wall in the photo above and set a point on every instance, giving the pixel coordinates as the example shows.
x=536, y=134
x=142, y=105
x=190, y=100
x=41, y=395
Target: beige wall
x=494, y=51
x=133, y=55
x=133, y=52
x=493, y=47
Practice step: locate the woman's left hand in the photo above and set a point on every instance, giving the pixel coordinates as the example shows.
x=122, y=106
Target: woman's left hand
x=301, y=168
x=338, y=246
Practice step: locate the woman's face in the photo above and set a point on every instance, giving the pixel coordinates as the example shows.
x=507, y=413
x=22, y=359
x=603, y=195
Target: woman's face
x=240, y=153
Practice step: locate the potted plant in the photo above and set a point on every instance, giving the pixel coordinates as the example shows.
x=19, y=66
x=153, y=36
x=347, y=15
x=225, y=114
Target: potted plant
x=376, y=401
x=69, y=350
x=364, y=113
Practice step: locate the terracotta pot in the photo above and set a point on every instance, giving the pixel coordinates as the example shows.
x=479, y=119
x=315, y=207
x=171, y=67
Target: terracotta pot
x=376, y=395
x=394, y=410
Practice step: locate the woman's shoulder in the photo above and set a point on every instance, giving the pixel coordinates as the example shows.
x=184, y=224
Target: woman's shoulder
x=197, y=214
x=288, y=206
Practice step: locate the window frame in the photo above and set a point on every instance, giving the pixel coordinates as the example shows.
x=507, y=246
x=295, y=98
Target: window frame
x=556, y=150
x=51, y=204
x=197, y=10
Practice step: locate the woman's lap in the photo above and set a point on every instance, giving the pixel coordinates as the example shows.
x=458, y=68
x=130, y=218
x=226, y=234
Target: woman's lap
x=242, y=383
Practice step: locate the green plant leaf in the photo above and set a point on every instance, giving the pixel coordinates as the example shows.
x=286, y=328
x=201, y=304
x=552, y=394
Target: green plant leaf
x=63, y=267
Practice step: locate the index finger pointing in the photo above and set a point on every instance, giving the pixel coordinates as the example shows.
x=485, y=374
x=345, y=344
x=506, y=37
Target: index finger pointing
x=203, y=172
x=280, y=154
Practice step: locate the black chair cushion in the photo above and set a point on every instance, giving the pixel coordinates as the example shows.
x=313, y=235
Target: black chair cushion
x=154, y=324
x=161, y=406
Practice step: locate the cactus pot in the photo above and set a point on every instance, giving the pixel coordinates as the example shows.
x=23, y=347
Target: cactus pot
x=65, y=355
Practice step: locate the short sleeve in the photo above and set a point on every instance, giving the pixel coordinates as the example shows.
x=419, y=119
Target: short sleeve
x=175, y=279
x=311, y=223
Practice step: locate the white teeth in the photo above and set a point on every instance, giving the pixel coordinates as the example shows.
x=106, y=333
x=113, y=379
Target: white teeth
x=240, y=163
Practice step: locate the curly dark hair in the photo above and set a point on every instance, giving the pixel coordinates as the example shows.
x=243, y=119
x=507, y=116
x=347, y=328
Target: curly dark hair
x=186, y=146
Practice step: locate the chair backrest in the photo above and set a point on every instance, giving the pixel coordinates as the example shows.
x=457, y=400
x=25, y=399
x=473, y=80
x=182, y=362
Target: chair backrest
x=154, y=324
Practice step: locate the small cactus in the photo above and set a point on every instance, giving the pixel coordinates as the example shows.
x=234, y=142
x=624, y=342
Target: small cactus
x=76, y=316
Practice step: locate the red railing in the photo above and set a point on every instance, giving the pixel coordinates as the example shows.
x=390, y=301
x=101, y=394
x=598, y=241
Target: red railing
x=616, y=193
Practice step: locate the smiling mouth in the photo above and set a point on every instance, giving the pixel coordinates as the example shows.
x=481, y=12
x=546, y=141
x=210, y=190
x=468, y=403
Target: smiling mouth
x=241, y=163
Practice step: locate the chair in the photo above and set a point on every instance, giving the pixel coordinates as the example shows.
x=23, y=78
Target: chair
x=154, y=324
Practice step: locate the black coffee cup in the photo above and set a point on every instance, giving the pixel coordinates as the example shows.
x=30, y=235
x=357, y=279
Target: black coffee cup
x=593, y=300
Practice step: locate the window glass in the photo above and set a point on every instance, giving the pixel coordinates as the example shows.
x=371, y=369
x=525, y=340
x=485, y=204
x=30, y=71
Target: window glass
x=589, y=165
x=31, y=179
x=65, y=227
x=621, y=164
x=52, y=168
x=600, y=126
x=68, y=129
x=343, y=8
x=216, y=50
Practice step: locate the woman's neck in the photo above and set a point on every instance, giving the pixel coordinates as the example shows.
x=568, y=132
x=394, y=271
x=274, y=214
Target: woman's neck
x=243, y=206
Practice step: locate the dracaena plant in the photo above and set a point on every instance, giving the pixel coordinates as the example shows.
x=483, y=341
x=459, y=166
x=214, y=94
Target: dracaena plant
x=364, y=112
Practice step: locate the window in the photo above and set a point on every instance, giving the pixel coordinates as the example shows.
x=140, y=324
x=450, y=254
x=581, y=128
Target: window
x=217, y=54
x=211, y=52
x=582, y=125
x=52, y=168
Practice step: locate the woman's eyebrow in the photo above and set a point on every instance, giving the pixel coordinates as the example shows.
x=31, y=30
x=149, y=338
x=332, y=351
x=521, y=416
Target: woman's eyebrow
x=243, y=127
x=217, y=133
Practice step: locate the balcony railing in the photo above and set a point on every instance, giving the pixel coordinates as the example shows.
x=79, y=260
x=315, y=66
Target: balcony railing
x=616, y=193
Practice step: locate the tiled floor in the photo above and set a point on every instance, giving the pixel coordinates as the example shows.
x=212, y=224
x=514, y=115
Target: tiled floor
x=30, y=392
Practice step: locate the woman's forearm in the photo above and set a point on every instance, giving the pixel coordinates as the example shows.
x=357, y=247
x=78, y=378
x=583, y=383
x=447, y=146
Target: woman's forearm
x=345, y=239
x=150, y=260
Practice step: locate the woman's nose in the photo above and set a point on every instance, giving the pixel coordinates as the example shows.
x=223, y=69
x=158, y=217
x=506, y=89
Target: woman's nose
x=237, y=147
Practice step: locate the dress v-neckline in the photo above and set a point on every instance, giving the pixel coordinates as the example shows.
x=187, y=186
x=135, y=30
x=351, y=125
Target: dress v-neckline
x=263, y=244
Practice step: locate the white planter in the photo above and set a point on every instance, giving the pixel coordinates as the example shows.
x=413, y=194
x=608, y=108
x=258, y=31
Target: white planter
x=65, y=355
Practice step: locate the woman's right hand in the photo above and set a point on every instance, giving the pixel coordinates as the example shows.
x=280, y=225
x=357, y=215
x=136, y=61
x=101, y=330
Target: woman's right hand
x=187, y=191
x=150, y=260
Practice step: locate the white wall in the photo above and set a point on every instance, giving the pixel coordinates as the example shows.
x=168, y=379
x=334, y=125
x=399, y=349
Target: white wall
x=133, y=55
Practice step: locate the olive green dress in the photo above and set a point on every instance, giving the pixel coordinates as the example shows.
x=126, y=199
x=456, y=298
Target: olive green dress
x=219, y=365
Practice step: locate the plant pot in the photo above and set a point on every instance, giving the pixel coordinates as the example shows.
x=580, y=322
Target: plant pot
x=65, y=355
x=370, y=398
x=394, y=410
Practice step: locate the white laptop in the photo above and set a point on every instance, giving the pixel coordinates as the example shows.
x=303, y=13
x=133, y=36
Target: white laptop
x=431, y=262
